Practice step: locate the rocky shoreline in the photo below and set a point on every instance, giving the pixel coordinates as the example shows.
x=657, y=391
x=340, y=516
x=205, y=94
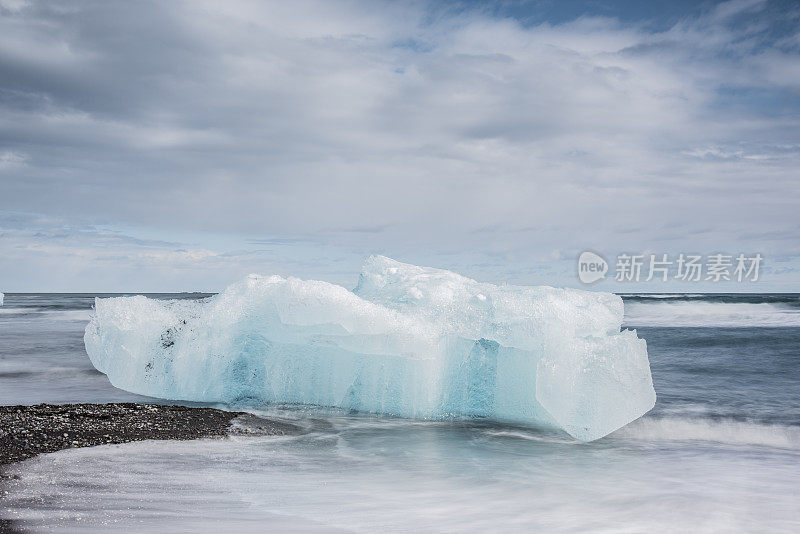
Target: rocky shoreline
x=26, y=431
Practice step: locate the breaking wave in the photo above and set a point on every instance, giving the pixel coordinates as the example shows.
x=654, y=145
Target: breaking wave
x=727, y=431
x=688, y=313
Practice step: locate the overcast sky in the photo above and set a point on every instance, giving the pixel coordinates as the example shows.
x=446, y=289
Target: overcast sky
x=173, y=146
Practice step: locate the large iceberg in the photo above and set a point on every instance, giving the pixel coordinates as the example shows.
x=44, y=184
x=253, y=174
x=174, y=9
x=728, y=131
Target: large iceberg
x=408, y=341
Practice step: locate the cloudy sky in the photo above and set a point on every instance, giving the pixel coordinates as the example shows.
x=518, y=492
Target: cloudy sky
x=173, y=146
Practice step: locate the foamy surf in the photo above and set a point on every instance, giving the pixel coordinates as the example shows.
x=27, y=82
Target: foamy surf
x=726, y=431
x=662, y=430
x=710, y=314
x=56, y=315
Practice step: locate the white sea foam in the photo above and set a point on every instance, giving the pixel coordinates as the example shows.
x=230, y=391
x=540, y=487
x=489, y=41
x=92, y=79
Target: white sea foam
x=664, y=295
x=656, y=430
x=710, y=314
x=728, y=431
x=71, y=315
x=55, y=315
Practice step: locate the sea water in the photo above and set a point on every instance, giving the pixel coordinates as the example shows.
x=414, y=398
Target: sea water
x=719, y=452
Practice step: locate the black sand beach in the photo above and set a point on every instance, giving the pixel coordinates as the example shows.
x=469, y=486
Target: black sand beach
x=26, y=431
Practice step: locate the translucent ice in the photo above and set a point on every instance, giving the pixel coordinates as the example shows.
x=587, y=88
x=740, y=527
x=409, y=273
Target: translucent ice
x=1, y=299
x=409, y=341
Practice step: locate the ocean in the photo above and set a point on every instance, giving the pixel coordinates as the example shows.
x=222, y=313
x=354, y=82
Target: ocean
x=719, y=452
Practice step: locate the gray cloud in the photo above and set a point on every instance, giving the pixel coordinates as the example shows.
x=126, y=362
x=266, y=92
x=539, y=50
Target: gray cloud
x=411, y=130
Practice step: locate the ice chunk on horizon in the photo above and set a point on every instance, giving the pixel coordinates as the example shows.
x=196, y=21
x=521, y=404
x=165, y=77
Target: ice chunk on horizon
x=1, y=299
x=408, y=341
